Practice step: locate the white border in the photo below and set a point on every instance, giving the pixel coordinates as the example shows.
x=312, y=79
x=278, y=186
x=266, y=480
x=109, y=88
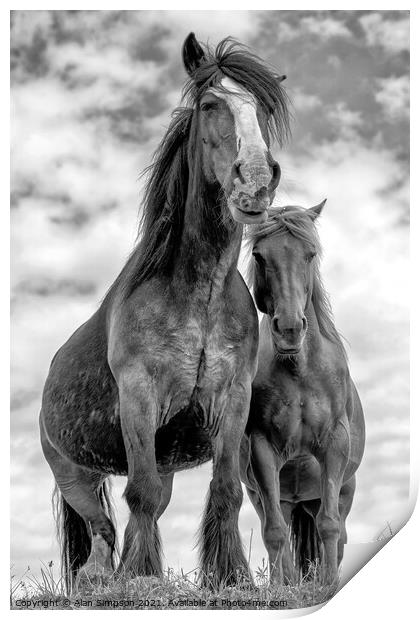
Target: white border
x=387, y=586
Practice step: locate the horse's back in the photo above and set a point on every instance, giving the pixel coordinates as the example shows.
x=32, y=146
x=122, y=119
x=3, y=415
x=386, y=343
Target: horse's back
x=80, y=410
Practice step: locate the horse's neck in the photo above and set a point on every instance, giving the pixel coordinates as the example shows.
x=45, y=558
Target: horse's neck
x=210, y=243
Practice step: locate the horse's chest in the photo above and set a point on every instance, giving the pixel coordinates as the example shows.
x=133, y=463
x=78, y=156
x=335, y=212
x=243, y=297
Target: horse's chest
x=203, y=359
x=300, y=422
x=222, y=356
x=190, y=362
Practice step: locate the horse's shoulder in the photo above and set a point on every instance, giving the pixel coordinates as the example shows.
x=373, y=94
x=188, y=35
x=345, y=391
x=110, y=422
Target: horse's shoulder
x=266, y=396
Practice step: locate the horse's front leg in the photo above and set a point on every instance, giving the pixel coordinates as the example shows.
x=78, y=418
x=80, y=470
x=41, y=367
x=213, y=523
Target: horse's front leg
x=141, y=553
x=222, y=557
x=266, y=466
x=333, y=459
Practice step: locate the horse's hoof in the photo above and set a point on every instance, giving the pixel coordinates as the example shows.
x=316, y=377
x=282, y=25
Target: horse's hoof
x=243, y=579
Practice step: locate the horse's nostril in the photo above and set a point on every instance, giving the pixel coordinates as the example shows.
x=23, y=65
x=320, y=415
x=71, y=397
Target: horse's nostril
x=245, y=203
x=236, y=172
x=304, y=323
x=275, y=324
x=275, y=179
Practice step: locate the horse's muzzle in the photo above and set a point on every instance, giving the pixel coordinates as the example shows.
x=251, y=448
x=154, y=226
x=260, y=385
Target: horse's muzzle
x=249, y=211
x=254, y=188
x=288, y=339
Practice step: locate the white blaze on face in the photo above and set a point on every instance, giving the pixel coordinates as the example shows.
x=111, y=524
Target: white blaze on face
x=244, y=110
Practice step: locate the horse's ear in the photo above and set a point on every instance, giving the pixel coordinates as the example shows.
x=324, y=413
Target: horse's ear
x=316, y=211
x=192, y=53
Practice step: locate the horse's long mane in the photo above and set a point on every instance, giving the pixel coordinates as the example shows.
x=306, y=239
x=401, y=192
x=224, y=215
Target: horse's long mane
x=297, y=222
x=167, y=183
x=163, y=207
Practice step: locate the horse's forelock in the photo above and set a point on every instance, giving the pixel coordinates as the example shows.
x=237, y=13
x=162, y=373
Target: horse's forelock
x=293, y=220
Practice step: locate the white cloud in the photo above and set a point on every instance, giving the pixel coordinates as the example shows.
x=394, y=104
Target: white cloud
x=334, y=61
x=325, y=27
x=112, y=64
x=304, y=102
x=394, y=96
x=393, y=35
x=346, y=121
x=209, y=25
x=26, y=23
x=286, y=32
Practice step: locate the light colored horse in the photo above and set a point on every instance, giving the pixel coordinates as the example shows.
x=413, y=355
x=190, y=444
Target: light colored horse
x=305, y=435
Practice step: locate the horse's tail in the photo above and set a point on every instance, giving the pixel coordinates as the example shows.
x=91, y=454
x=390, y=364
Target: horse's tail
x=72, y=533
x=306, y=543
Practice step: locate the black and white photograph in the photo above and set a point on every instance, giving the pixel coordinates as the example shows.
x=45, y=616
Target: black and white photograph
x=210, y=404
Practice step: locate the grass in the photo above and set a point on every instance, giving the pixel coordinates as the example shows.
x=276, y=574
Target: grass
x=172, y=591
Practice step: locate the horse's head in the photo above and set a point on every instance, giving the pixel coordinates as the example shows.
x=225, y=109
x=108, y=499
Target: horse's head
x=283, y=272
x=234, y=117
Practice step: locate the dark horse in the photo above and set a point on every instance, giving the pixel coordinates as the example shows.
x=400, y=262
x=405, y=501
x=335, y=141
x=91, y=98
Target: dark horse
x=159, y=378
x=305, y=436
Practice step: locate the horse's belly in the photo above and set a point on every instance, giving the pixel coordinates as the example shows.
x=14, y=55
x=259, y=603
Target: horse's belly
x=300, y=479
x=183, y=442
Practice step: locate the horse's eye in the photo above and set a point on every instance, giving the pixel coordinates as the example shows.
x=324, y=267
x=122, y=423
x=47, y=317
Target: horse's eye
x=208, y=105
x=258, y=259
x=310, y=256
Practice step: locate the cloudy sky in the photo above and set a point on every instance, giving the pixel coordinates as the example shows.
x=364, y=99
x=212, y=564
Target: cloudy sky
x=92, y=94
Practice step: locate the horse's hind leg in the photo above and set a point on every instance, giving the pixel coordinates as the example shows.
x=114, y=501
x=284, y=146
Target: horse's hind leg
x=88, y=535
x=344, y=505
x=289, y=571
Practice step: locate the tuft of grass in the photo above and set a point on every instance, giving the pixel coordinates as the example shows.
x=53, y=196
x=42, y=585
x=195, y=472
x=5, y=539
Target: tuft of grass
x=173, y=591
